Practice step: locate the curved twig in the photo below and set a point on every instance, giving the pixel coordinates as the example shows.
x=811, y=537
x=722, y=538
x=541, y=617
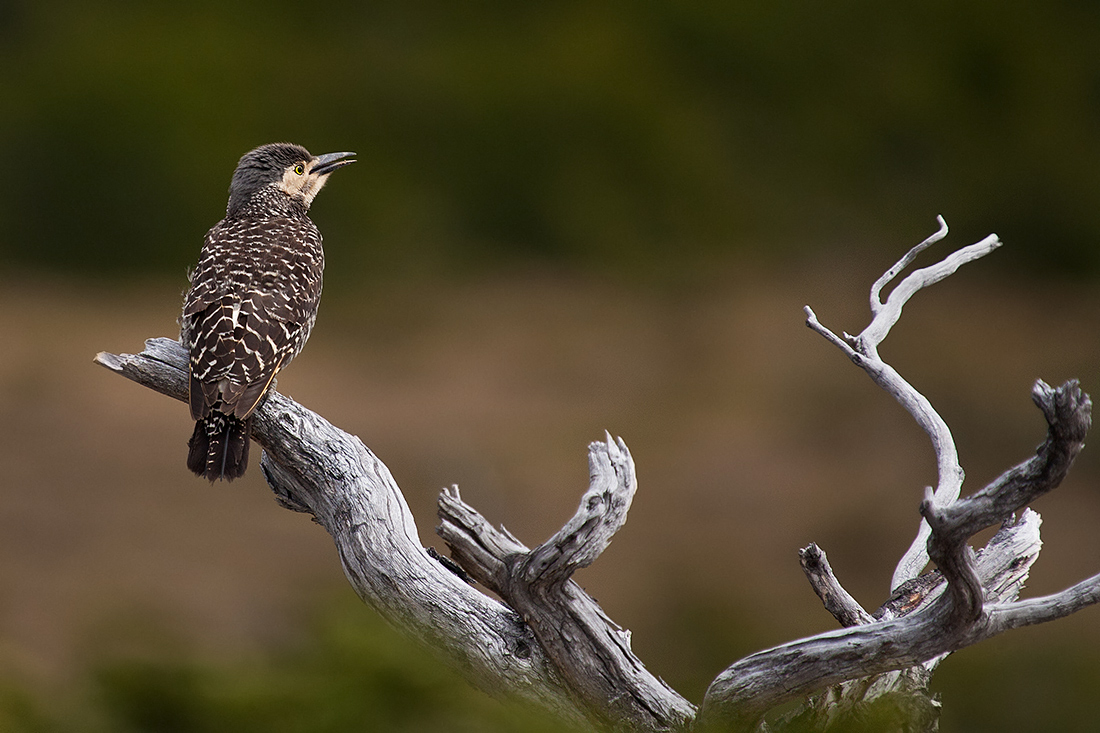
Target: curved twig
x=863, y=350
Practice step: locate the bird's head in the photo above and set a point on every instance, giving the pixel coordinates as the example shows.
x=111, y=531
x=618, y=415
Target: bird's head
x=282, y=173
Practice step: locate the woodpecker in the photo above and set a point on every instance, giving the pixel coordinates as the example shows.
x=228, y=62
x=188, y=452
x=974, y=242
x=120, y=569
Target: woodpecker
x=252, y=300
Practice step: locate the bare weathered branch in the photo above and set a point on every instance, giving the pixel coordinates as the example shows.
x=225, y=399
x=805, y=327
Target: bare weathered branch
x=839, y=602
x=951, y=621
x=888, y=276
x=552, y=645
x=562, y=652
x=1002, y=565
x=969, y=597
x=590, y=650
x=750, y=687
x=1034, y=611
x=1068, y=412
x=864, y=352
x=601, y=513
x=315, y=467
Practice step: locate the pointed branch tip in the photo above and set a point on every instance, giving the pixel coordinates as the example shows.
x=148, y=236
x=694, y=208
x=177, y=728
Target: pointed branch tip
x=109, y=360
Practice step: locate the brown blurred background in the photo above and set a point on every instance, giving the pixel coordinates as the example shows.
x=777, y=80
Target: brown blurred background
x=565, y=219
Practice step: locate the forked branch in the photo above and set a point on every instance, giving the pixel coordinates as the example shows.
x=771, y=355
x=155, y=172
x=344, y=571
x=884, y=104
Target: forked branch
x=590, y=650
x=968, y=598
x=863, y=351
x=940, y=624
x=550, y=644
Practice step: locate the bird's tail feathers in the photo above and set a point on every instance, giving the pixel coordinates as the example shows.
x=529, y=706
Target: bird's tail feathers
x=218, y=448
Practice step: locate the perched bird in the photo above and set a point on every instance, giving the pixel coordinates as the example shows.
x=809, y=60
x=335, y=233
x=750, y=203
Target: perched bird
x=253, y=299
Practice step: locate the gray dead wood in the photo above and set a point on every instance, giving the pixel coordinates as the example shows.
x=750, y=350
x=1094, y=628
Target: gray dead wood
x=556, y=649
x=591, y=650
x=317, y=468
x=964, y=613
x=551, y=645
x=970, y=597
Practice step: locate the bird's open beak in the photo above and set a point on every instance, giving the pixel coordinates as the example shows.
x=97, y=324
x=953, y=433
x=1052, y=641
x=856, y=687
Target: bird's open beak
x=327, y=163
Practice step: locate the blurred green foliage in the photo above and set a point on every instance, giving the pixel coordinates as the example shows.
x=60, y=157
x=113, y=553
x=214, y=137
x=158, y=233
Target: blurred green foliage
x=633, y=136
x=352, y=673
x=1027, y=685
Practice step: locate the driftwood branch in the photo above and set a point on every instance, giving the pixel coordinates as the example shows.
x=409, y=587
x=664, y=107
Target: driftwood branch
x=954, y=619
x=969, y=597
x=315, y=467
x=863, y=351
x=550, y=644
x=592, y=652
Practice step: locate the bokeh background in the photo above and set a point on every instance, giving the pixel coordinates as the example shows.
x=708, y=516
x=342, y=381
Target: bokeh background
x=567, y=217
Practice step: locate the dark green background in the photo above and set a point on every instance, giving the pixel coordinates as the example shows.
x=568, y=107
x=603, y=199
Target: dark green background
x=635, y=136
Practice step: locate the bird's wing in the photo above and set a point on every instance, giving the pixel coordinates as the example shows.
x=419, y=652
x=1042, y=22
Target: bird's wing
x=237, y=350
x=249, y=310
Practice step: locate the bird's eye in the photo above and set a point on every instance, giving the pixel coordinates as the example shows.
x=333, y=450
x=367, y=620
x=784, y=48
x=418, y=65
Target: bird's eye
x=299, y=169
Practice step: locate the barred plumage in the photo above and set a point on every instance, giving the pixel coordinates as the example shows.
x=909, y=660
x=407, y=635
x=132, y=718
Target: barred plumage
x=253, y=299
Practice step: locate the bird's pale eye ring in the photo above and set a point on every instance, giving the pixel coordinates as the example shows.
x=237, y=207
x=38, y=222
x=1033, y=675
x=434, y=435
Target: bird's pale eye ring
x=299, y=169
